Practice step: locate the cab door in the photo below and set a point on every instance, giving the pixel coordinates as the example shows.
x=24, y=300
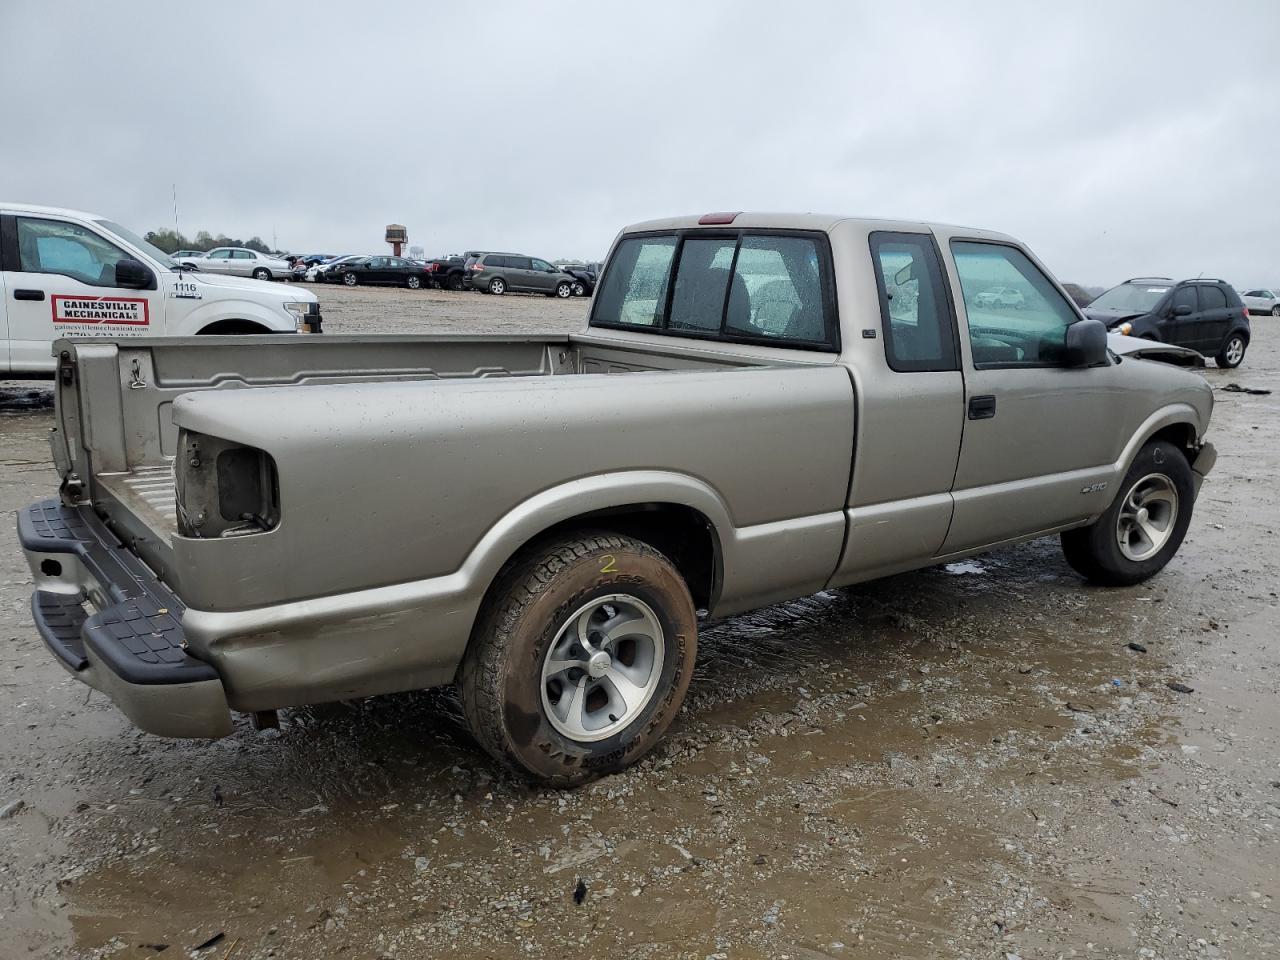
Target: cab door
x=60, y=282
x=1041, y=439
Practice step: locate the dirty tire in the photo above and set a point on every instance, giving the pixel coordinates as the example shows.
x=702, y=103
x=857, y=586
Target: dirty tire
x=1094, y=551
x=500, y=680
x=1232, y=353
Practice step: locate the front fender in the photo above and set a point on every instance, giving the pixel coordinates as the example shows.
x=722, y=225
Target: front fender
x=211, y=311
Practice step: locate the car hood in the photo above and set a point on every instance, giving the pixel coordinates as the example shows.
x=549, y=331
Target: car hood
x=260, y=289
x=1112, y=317
x=1153, y=350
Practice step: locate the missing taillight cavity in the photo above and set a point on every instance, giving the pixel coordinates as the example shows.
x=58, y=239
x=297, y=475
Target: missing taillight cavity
x=225, y=489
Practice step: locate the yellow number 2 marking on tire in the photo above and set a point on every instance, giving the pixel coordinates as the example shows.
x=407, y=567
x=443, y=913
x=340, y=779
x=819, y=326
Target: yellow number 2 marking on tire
x=609, y=561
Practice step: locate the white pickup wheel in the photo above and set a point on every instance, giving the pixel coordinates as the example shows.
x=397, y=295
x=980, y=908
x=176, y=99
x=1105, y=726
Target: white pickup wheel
x=580, y=658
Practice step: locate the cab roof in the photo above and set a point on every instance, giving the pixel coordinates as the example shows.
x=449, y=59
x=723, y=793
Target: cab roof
x=55, y=211
x=800, y=221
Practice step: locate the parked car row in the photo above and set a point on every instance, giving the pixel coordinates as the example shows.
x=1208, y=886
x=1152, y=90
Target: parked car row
x=488, y=272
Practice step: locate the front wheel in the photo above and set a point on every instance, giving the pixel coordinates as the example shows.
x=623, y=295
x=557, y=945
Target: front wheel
x=1275, y=311
x=262, y=273
x=349, y=279
x=1144, y=526
x=1232, y=353
x=580, y=658
x=564, y=289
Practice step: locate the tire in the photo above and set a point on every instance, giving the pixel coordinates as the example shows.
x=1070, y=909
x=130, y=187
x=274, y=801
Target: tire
x=579, y=289
x=1157, y=487
x=1275, y=311
x=1232, y=353
x=497, y=286
x=261, y=273
x=350, y=279
x=456, y=282
x=516, y=709
x=564, y=289
x=413, y=283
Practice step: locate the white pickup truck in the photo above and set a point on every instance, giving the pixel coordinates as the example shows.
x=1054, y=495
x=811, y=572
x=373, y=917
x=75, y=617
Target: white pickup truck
x=64, y=273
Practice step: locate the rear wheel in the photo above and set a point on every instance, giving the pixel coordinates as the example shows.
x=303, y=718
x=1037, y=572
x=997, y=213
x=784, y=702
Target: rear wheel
x=1232, y=352
x=349, y=279
x=497, y=286
x=456, y=282
x=1144, y=526
x=564, y=289
x=580, y=658
x=413, y=283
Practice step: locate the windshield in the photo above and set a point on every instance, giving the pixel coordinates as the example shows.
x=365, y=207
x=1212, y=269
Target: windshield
x=1130, y=298
x=129, y=236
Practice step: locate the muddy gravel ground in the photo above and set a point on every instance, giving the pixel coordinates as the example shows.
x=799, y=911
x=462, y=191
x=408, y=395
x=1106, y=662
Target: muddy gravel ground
x=969, y=761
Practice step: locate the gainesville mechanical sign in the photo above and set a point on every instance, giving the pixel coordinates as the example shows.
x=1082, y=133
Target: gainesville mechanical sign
x=128, y=311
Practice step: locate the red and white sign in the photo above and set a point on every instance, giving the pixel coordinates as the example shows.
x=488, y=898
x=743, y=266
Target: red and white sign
x=100, y=311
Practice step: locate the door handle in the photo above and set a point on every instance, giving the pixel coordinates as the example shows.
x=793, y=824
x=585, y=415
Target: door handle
x=982, y=408
x=28, y=294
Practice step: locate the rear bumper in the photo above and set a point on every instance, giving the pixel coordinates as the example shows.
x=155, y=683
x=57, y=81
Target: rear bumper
x=113, y=626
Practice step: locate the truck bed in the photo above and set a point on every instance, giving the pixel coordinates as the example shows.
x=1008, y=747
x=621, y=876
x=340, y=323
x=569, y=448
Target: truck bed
x=115, y=413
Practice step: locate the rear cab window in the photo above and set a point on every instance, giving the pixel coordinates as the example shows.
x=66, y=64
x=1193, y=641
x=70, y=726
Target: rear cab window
x=764, y=287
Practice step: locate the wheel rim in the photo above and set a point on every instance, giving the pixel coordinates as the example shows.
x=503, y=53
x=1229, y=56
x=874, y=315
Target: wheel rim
x=414, y=283
x=1235, y=351
x=1275, y=311
x=497, y=286
x=349, y=279
x=563, y=290
x=602, y=668
x=260, y=274
x=1147, y=517
x=579, y=289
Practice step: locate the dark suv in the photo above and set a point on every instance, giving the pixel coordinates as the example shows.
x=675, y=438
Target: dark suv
x=1205, y=315
x=500, y=272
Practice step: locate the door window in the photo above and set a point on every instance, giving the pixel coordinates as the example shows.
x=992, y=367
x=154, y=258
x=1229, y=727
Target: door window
x=1017, y=318
x=242, y=255
x=1212, y=298
x=55, y=246
x=919, y=331
x=518, y=263
x=541, y=265
x=1184, y=297
x=220, y=255
x=397, y=263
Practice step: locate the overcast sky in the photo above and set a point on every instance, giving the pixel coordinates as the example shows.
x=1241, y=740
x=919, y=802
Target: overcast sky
x=1116, y=139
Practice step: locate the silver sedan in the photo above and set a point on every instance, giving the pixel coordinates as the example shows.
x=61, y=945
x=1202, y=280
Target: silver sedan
x=241, y=262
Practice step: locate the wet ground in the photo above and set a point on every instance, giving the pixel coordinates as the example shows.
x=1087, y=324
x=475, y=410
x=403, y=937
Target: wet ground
x=967, y=761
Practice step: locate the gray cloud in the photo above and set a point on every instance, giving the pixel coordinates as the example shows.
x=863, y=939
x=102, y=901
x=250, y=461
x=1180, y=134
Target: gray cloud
x=1115, y=139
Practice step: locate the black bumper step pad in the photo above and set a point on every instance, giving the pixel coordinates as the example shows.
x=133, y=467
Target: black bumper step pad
x=59, y=618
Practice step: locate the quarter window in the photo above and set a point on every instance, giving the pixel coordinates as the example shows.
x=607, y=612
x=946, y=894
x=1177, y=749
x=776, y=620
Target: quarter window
x=55, y=246
x=919, y=332
x=1017, y=318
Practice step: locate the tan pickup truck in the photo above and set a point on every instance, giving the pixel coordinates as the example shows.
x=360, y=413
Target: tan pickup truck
x=761, y=406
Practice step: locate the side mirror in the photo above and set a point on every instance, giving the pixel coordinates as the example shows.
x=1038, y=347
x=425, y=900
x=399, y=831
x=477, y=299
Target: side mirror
x=1086, y=344
x=1182, y=310
x=132, y=274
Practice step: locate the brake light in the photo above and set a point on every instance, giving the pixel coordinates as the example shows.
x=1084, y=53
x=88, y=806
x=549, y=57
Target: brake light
x=1244, y=312
x=477, y=267
x=709, y=219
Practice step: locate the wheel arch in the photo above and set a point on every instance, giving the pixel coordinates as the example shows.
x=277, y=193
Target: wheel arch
x=679, y=516
x=232, y=326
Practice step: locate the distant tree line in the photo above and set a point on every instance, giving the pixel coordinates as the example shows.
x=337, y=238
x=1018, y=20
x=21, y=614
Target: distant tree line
x=170, y=241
